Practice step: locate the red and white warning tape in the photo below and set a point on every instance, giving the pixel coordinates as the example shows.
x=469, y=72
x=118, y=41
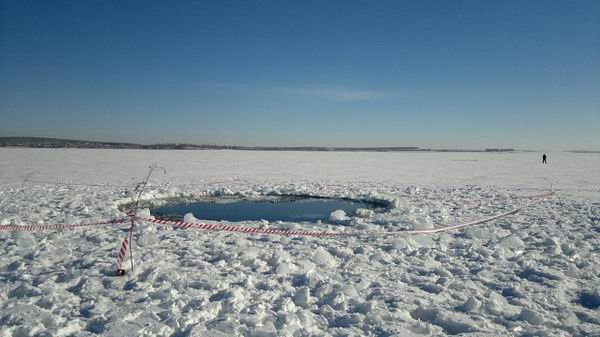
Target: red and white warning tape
x=287, y=232
x=36, y=228
x=122, y=252
x=254, y=230
x=237, y=229
x=472, y=223
x=269, y=231
x=535, y=199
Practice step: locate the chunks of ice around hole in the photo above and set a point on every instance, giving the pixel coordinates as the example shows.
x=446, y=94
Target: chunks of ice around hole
x=323, y=258
x=498, y=305
x=189, y=217
x=145, y=227
x=23, y=239
x=364, y=213
x=302, y=297
x=394, y=204
x=420, y=222
x=148, y=236
x=511, y=241
x=338, y=216
x=143, y=212
x=531, y=316
x=471, y=305
x=478, y=233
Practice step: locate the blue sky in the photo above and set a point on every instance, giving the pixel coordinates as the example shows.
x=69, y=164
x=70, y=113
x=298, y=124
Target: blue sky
x=440, y=74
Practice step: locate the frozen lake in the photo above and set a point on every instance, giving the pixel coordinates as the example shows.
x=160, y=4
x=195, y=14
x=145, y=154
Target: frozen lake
x=572, y=171
x=533, y=273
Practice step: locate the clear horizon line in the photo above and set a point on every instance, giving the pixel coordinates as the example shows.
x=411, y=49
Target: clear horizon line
x=419, y=148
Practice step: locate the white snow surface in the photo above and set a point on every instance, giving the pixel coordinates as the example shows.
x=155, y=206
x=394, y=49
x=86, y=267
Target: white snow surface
x=530, y=274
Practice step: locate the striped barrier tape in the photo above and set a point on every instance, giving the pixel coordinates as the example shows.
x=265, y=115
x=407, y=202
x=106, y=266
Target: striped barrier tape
x=263, y=231
x=287, y=232
x=540, y=198
x=122, y=252
x=36, y=228
x=237, y=229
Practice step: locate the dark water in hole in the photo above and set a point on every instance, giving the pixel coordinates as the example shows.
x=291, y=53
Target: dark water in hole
x=309, y=210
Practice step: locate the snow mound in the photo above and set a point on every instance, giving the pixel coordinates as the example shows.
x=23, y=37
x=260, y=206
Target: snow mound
x=324, y=258
x=338, y=216
x=364, y=213
x=189, y=217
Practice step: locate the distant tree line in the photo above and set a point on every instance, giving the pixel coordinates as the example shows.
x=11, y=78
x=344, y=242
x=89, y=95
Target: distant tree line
x=36, y=142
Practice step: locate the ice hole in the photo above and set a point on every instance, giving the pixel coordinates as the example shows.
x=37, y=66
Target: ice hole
x=289, y=209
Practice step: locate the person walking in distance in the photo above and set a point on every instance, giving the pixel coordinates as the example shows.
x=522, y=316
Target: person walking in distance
x=544, y=159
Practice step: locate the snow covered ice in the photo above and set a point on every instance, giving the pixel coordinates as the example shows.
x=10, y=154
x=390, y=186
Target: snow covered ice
x=534, y=273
